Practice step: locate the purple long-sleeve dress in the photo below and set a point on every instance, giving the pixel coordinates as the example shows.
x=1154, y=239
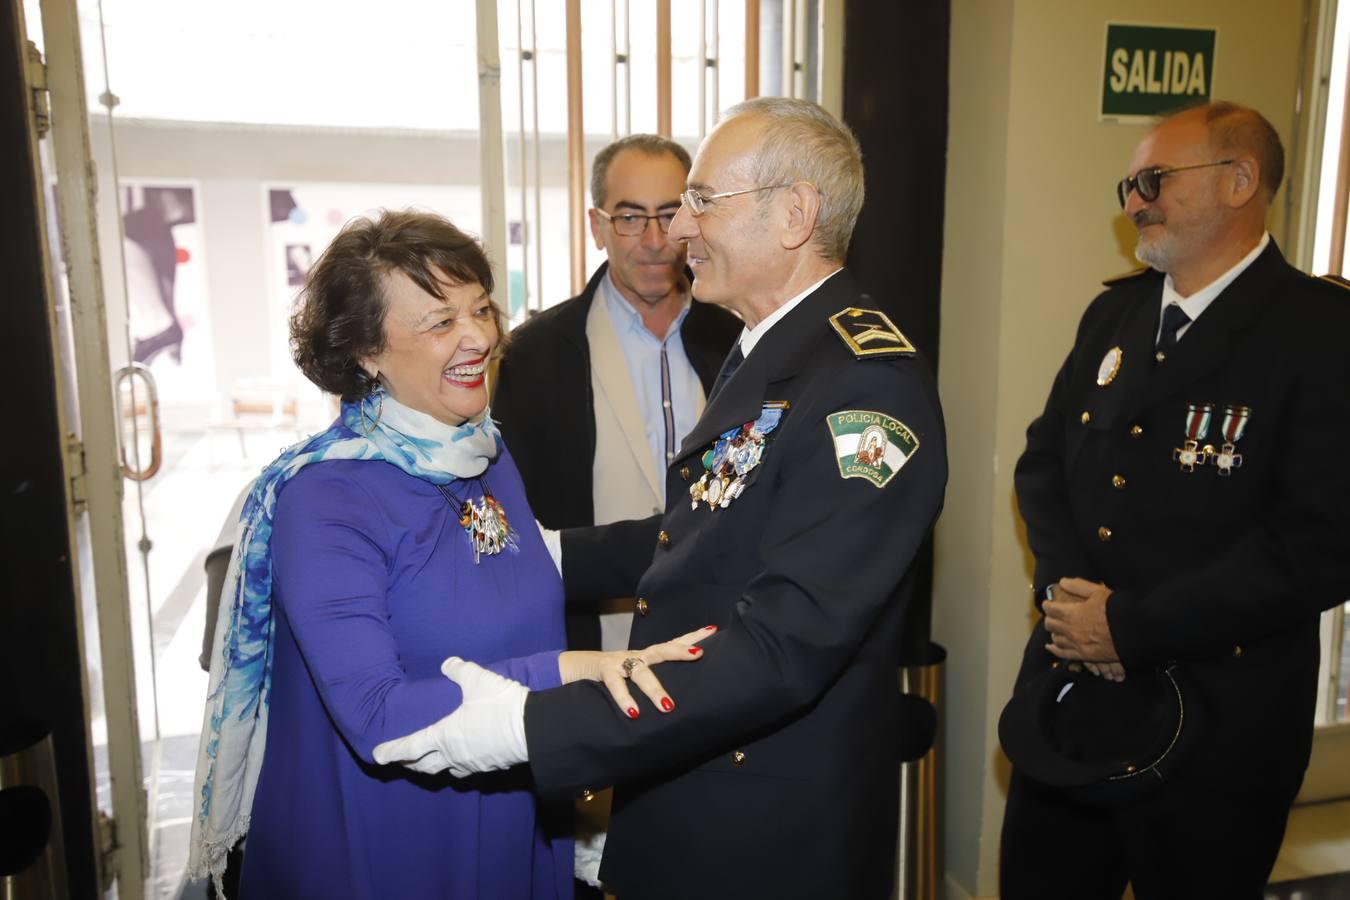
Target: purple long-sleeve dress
x=375, y=585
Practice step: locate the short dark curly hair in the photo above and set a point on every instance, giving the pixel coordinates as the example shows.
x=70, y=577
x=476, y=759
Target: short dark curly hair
x=339, y=316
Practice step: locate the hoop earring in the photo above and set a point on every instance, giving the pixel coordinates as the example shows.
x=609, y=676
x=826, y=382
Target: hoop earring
x=366, y=429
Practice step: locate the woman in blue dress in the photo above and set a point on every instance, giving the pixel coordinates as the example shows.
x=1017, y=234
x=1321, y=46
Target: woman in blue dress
x=367, y=555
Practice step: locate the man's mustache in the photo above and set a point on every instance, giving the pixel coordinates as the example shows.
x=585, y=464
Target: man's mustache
x=1147, y=217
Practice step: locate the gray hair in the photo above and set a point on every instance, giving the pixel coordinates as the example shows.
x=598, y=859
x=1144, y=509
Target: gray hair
x=803, y=142
x=650, y=144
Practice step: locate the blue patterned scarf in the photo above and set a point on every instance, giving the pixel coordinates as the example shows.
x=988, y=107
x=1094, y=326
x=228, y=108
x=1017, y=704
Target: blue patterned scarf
x=234, y=730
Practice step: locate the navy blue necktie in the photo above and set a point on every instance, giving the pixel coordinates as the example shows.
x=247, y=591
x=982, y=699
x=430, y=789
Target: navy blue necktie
x=1174, y=318
x=733, y=362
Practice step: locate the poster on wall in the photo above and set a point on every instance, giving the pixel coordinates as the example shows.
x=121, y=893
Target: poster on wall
x=166, y=289
x=1151, y=71
x=299, y=259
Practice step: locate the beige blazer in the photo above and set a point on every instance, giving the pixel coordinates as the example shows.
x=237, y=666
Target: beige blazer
x=625, y=483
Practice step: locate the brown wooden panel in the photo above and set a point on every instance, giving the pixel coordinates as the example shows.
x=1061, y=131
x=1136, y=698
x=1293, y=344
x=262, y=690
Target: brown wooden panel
x=895, y=100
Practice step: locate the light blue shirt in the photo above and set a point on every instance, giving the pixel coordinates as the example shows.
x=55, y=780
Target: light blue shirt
x=667, y=401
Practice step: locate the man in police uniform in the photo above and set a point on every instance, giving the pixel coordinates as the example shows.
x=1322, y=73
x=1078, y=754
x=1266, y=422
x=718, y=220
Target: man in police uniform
x=776, y=774
x=1186, y=502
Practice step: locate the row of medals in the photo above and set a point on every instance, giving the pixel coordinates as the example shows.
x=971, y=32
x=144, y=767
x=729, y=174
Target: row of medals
x=1191, y=454
x=727, y=465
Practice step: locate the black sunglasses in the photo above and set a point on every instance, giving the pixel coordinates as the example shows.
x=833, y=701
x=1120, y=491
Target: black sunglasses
x=1148, y=182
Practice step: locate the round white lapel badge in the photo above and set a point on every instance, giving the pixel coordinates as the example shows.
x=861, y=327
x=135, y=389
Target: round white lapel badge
x=1110, y=365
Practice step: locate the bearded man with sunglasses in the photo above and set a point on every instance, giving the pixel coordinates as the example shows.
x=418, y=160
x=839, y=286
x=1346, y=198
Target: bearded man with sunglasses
x=1187, y=512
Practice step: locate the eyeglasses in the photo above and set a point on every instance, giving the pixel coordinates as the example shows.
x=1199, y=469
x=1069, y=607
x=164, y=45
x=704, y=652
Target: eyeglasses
x=698, y=203
x=1148, y=182
x=634, y=224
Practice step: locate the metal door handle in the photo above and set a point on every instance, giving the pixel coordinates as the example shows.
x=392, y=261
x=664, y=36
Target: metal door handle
x=126, y=373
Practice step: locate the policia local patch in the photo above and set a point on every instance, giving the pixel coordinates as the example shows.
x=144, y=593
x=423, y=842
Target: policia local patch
x=870, y=445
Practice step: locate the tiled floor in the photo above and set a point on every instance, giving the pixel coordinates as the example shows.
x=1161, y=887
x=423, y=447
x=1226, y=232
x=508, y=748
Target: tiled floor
x=1314, y=863
x=1326, y=887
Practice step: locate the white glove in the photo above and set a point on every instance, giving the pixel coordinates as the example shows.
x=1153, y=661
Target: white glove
x=586, y=858
x=485, y=734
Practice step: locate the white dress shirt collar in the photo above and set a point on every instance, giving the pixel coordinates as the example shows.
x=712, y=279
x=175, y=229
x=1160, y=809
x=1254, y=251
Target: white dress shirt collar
x=751, y=336
x=1198, y=302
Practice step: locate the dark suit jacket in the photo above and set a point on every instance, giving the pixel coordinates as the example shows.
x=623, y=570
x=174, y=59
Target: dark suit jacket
x=1226, y=575
x=776, y=774
x=543, y=401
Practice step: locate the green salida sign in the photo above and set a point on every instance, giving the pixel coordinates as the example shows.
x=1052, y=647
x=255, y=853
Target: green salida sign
x=1151, y=71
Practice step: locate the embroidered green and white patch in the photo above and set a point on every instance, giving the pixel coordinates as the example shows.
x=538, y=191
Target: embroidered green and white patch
x=870, y=445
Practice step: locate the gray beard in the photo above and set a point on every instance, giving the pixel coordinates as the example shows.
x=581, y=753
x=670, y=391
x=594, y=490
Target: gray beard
x=1177, y=247
x=1157, y=254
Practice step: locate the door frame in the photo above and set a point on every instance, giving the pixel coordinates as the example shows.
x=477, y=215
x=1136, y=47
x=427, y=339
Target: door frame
x=96, y=466
x=41, y=645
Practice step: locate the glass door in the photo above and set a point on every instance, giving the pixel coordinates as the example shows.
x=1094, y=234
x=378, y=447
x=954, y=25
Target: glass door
x=199, y=159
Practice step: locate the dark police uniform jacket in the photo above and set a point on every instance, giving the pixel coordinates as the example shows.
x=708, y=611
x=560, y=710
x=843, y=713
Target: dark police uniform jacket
x=542, y=400
x=775, y=775
x=544, y=405
x=1226, y=574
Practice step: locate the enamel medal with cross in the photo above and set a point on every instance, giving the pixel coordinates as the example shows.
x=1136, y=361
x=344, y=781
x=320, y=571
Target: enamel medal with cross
x=1235, y=420
x=1190, y=454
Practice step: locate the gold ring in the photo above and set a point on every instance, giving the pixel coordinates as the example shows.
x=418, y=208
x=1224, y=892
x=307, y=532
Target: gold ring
x=630, y=664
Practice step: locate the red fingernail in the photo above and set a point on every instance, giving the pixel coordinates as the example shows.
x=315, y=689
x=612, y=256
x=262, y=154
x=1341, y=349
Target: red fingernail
x=695, y=651
x=667, y=704
x=710, y=628
x=632, y=713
